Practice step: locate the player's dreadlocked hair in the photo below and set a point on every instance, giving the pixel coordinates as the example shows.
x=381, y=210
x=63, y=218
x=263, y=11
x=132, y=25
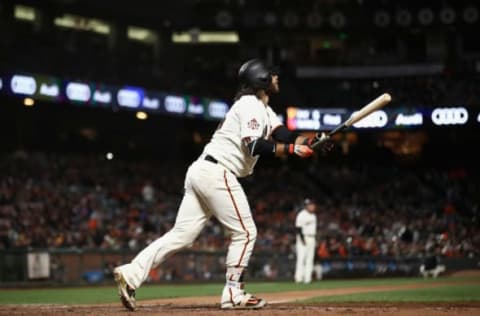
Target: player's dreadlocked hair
x=244, y=90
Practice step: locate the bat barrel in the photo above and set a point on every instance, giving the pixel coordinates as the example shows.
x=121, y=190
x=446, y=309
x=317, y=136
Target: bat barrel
x=374, y=105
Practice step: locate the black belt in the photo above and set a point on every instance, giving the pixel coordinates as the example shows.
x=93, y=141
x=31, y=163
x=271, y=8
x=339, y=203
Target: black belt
x=211, y=159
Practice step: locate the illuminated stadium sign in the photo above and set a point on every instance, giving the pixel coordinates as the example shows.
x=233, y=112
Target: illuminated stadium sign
x=217, y=109
x=314, y=119
x=375, y=119
x=196, y=109
x=450, y=116
x=104, y=97
x=78, y=92
x=414, y=119
x=151, y=103
x=175, y=104
x=52, y=90
x=25, y=85
x=130, y=97
x=331, y=119
x=195, y=106
x=49, y=88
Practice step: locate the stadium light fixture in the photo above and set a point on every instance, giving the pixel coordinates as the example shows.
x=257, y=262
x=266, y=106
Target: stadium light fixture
x=425, y=16
x=141, y=115
x=291, y=19
x=82, y=23
x=25, y=13
x=403, y=18
x=141, y=34
x=314, y=20
x=196, y=37
x=337, y=20
x=382, y=18
x=470, y=15
x=447, y=15
x=224, y=19
x=270, y=19
x=28, y=102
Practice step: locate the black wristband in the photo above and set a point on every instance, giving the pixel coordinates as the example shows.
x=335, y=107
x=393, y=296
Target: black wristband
x=289, y=149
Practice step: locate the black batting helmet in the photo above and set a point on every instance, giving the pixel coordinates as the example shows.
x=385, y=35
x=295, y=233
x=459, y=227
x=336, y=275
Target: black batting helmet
x=255, y=74
x=308, y=201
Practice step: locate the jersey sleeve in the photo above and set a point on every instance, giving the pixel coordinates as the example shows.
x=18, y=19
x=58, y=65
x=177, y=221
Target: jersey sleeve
x=299, y=221
x=274, y=120
x=252, y=120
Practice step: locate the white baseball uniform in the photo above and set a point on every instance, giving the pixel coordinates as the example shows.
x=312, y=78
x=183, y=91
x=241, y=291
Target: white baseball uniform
x=212, y=188
x=307, y=222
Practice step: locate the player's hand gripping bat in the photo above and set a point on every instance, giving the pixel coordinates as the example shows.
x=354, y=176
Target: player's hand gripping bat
x=371, y=107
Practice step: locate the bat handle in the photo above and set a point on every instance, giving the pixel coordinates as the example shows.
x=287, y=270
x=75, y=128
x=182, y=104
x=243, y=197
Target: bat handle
x=337, y=129
x=332, y=132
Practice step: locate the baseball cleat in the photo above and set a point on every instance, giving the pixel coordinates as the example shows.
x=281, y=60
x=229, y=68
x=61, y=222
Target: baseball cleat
x=248, y=301
x=127, y=293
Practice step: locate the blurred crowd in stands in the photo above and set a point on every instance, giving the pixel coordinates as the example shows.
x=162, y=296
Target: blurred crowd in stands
x=84, y=202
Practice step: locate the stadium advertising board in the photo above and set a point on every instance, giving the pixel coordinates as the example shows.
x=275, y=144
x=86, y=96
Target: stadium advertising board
x=315, y=119
x=216, y=109
x=23, y=85
x=50, y=88
x=78, y=92
x=195, y=107
x=152, y=101
x=449, y=116
x=324, y=119
x=175, y=104
x=103, y=95
x=39, y=87
x=130, y=97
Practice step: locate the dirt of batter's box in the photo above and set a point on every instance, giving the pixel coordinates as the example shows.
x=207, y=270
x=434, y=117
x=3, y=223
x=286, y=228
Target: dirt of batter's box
x=279, y=309
x=279, y=304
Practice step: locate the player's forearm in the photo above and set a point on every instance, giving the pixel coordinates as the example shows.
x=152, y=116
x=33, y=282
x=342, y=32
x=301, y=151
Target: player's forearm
x=263, y=147
x=302, y=140
x=281, y=150
x=283, y=135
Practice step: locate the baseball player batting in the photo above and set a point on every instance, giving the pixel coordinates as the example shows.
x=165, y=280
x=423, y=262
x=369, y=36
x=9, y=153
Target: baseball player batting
x=250, y=129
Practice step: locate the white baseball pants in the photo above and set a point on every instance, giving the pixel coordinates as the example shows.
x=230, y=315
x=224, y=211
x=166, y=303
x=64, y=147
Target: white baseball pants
x=305, y=259
x=210, y=189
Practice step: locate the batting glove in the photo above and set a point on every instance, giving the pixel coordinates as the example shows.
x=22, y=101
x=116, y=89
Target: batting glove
x=303, y=151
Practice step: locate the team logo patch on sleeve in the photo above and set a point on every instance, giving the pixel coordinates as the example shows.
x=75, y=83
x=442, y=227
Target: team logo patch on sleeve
x=253, y=124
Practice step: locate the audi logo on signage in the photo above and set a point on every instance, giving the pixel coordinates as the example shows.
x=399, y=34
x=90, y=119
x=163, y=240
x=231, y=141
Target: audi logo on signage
x=450, y=116
x=376, y=119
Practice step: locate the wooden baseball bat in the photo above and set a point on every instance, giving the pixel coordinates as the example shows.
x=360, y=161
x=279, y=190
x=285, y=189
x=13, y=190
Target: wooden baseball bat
x=371, y=107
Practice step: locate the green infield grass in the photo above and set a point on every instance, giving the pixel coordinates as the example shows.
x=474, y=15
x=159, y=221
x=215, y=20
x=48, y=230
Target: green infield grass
x=445, y=293
x=455, y=290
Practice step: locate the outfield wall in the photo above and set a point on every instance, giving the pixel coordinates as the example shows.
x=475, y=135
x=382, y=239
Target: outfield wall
x=73, y=267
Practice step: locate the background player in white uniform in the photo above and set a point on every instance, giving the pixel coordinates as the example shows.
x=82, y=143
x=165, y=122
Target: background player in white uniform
x=250, y=129
x=306, y=228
